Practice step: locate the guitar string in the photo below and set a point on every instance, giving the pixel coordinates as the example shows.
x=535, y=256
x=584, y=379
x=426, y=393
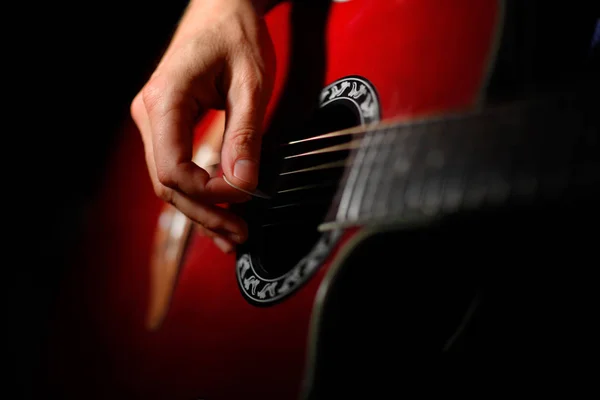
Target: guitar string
x=380, y=127
x=343, y=163
x=407, y=121
x=328, y=165
x=355, y=144
x=348, y=146
x=395, y=123
x=411, y=124
x=334, y=164
x=324, y=166
x=298, y=203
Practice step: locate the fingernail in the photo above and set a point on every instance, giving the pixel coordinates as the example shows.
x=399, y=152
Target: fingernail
x=247, y=171
x=223, y=245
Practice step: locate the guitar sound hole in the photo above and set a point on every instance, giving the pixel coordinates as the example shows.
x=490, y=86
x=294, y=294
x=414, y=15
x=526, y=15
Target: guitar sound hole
x=283, y=230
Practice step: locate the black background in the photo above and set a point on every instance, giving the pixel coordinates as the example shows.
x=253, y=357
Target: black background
x=73, y=69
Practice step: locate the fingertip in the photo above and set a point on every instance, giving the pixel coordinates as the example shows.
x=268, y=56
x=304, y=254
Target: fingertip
x=246, y=172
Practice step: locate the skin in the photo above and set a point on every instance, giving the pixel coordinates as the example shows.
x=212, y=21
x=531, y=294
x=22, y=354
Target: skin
x=220, y=57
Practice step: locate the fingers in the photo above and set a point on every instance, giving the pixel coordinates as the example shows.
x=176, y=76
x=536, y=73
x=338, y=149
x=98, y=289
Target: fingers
x=212, y=217
x=171, y=109
x=245, y=108
x=227, y=63
x=225, y=245
x=224, y=227
x=171, y=113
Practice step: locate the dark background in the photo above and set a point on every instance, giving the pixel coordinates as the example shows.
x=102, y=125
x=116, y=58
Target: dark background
x=71, y=70
x=74, y=69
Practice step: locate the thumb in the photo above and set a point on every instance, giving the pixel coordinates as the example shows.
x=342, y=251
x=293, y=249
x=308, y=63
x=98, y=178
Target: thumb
x=245, y=111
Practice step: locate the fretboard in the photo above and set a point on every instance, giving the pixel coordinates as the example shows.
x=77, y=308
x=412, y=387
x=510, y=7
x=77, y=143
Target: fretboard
x=517, y=152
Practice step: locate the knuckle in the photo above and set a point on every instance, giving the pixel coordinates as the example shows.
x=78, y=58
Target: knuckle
x=205, y=232
x=212, y=222
x=166, y=176
x=152, y=93
x=236, y=34
x=136, y=108
x=163, y=192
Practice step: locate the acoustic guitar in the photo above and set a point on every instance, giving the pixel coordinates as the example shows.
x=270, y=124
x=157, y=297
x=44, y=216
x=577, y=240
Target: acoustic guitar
x=380, y=136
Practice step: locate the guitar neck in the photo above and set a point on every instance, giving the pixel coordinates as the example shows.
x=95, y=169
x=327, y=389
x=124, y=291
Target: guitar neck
x=519, y=152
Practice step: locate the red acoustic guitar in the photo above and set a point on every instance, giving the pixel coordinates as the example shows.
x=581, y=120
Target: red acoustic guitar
x=375, y=127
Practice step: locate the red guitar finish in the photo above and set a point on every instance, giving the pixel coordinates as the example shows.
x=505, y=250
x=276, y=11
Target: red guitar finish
x=422, y=57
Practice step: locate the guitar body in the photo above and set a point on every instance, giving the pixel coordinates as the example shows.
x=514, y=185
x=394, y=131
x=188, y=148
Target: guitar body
x=230, y=329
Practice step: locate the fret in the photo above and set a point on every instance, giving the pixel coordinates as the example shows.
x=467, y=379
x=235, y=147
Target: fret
x=433, y=188
x=438, y=155
x=406, y=149
x=373, y=148
x=371, y=204
x=456, y=182
x=350, y=181
x=383, y=191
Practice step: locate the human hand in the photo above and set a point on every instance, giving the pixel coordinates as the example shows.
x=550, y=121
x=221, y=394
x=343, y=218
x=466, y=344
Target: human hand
x=221, y=57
